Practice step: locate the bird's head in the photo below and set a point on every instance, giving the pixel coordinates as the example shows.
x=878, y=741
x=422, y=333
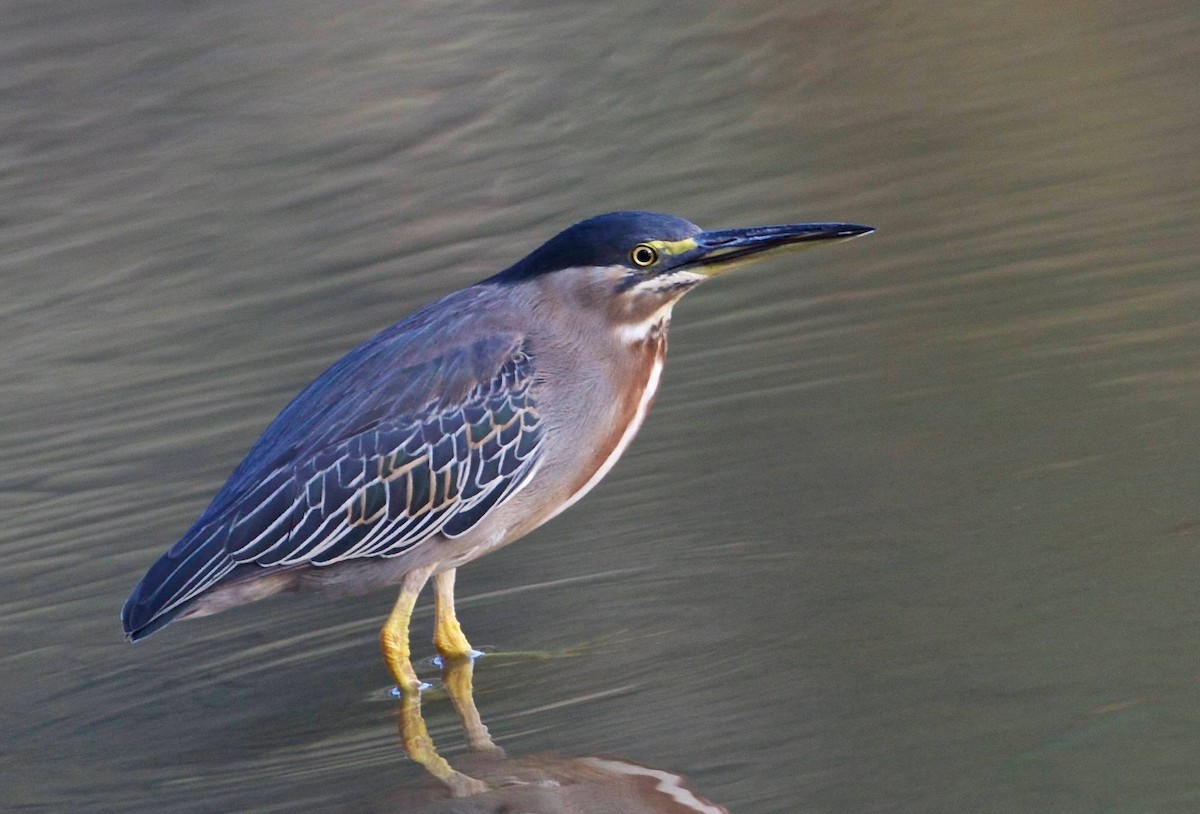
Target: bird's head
x=636, y=265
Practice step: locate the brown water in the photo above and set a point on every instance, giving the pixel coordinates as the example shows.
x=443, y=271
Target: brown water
x=913, y=526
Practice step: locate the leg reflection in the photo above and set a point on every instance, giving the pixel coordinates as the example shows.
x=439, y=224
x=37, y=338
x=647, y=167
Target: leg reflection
x=458, y=675
x=420, y=748
x=533, y=783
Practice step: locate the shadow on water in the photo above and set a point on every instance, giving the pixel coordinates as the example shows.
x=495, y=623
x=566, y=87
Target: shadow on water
x=489, y=780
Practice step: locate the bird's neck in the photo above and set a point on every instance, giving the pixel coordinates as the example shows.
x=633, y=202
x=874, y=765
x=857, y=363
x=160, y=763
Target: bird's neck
x=649, y=328
x=637, y=376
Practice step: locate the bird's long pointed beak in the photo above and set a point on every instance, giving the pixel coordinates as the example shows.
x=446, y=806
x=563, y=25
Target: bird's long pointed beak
x=719, y=251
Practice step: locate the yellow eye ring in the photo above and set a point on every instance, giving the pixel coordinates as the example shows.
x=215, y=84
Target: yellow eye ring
x=644, y=255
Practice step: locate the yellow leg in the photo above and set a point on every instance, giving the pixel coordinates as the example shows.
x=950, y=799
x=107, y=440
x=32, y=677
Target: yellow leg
x=393, y=639
x=458, y=668
x=448, y=635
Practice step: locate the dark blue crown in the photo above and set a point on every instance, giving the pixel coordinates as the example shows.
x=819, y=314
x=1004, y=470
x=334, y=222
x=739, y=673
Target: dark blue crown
x=604, y=240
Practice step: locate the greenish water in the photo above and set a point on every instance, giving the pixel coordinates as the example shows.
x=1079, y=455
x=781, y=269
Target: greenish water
x=912, y=526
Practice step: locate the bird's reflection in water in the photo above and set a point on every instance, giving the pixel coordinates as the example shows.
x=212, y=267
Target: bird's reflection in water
x=458, y=676
x=492, y=782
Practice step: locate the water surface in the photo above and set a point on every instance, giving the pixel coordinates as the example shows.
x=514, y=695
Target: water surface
x=912, y=526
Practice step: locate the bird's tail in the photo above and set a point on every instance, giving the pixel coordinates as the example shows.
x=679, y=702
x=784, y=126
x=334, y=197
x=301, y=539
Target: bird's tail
x=193, y=564
x=130, y=617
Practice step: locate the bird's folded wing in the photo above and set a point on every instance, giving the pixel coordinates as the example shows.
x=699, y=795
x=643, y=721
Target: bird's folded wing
x=424, y=449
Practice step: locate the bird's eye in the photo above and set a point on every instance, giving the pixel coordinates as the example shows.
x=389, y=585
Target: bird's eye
x=644, y=255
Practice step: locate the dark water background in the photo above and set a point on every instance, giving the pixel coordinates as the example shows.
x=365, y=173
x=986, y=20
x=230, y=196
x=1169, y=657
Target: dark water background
x=913, y=526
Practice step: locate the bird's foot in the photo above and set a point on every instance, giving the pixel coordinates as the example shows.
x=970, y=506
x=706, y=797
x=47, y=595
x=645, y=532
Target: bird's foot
x=442, y=659
x=399, y=692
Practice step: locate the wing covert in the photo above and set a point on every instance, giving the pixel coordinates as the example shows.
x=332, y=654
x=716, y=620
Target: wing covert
x=384, y=490
x=430, y=448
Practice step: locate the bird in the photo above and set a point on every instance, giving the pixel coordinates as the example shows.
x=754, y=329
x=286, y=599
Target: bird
x=456, y=431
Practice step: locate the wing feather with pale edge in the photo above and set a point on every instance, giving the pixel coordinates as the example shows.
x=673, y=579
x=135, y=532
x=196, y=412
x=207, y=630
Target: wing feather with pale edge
x=426, y=449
